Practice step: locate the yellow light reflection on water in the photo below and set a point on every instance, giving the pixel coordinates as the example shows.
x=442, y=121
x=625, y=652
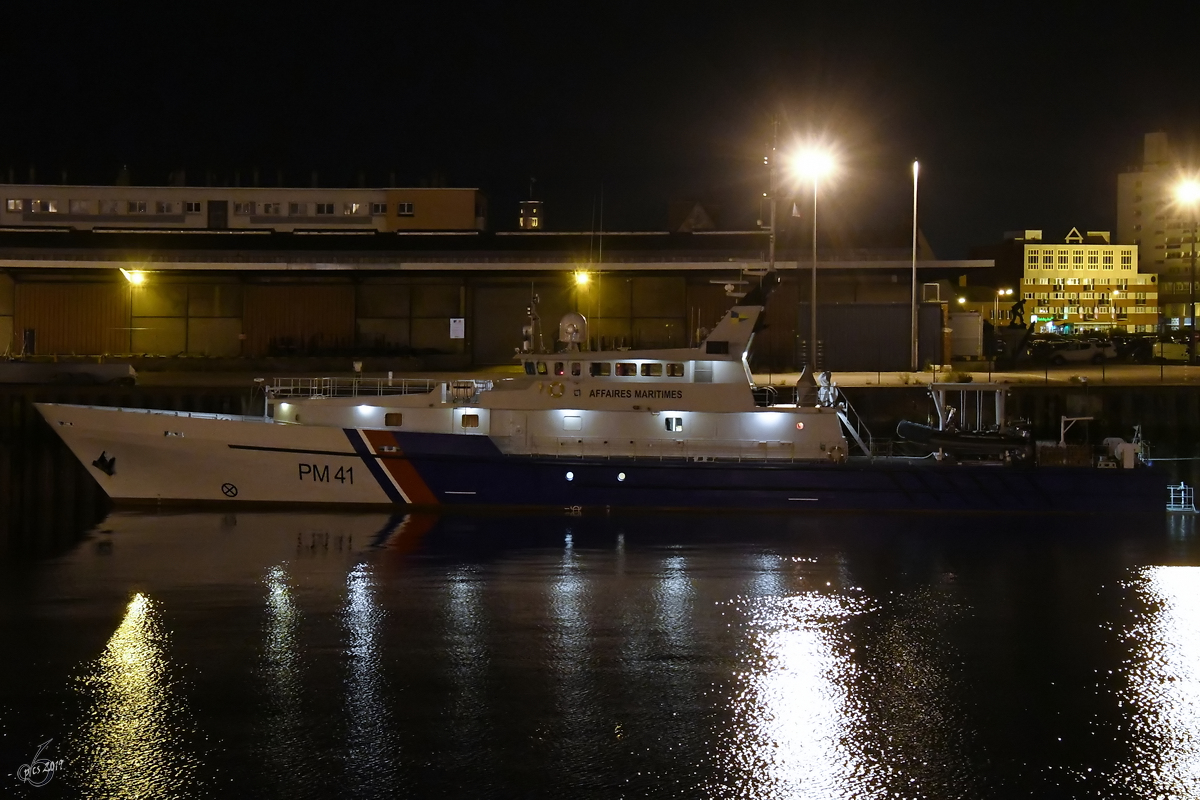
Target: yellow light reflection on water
x=1164, y=684
x=795, y=721
x=132, y=741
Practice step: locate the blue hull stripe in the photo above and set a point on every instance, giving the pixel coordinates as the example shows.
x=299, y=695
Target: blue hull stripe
x=385, y=482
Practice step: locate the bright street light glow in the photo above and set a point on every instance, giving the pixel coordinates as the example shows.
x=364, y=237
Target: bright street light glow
x=582, y=278
x=1188, y=192
x=134, y=277
x=962, y=300
x=812, y=163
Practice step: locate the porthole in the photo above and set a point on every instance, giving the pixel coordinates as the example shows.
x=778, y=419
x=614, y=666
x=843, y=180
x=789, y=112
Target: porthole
x=620, y=476
x=570, y=476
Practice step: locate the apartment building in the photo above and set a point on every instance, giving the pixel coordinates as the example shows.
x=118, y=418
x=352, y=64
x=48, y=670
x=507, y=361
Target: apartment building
x=1087, y=283
x=1149, y=217
x=195, y=208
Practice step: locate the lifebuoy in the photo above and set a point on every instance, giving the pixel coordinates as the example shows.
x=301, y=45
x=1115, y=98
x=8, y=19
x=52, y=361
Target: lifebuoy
x=557, y=389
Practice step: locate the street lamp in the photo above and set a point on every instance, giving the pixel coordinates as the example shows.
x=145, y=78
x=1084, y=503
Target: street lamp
x=813, y=164
x=916, y=169
x=996, y=303
x=1187, y=193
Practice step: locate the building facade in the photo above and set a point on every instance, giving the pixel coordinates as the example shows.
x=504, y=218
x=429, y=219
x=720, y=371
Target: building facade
x=191, y=208
x=197, y=295
x=1086, y=283
x=1149, y=217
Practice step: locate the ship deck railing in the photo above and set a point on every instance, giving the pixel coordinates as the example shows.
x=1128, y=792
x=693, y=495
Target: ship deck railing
x=674, y=449
x=349, y=387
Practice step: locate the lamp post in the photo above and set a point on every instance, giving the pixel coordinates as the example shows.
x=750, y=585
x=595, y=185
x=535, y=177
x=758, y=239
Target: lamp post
x=996, y=304
x=813, y=164
x=916, y=169
x=1187, y=193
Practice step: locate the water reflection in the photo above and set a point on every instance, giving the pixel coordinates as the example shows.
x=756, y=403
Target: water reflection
x=370, y=746
x=1164, y=685
x=283, y=733
x=133, y=740
x=794, y=715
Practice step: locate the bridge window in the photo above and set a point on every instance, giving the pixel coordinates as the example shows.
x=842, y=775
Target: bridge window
x=378, y=208
x=601, y=369
x=541, y=367
x=626, y=370
x=675, y=423
x=470, y=420
x=393, y=419
x=674, y=370
x=529, y=368
x=404, y=210
x=558, y=368
x=575, y=369
x=245, y=209
x=652, y=370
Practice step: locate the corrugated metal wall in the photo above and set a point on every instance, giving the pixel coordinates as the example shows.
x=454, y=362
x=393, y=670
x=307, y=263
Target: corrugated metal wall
x=78, y=318
x=292, y=319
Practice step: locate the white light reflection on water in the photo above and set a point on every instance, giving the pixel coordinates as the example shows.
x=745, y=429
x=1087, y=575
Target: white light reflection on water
x=1164, y=685
x=284, y=737
x=795, y=720
x=371, y=748
x=132, y=743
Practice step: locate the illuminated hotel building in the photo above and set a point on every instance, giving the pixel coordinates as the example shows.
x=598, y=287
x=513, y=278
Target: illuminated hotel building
x=1088, y=283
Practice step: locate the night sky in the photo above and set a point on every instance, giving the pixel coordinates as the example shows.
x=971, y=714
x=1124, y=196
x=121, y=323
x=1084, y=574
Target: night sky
x=1022, y=115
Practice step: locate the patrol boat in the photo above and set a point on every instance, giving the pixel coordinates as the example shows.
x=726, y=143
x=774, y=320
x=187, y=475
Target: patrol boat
x=579, y=429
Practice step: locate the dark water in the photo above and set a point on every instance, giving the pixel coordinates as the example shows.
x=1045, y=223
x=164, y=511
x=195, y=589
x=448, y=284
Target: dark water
x=329, y=656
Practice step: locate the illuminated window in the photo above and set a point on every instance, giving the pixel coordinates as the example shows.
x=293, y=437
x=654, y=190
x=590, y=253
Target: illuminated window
x=378, y=208
x=674, y=423
x=559, y=368
x=626, y=370
x=674, y=370
x=191, y=208
x=470, y=420
x=1108, y=262
x=353, y=208
x=652, y=370
x=48, y=206
x=297, y=209
x=136, y=207
x=393, y=419
x=14, y=205
x=324, y=209
x=1063, y=260
x=541, y=368
x=601, y=369
x=1048, y=260
x=404, y=209
x=533, y=223
x=1077, y=259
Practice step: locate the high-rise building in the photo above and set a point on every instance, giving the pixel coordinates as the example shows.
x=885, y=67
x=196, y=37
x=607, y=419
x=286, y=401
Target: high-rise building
x=1148, y=217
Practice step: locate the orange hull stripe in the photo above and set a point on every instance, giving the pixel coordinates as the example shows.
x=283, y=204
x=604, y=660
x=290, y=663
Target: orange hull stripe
x=401, y=469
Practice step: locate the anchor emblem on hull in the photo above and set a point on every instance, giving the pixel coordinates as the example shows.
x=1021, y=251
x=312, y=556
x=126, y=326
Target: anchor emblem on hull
x=105, y=463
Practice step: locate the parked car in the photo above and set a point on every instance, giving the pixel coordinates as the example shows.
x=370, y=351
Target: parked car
x=1083, y=351
x=1171, y=349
